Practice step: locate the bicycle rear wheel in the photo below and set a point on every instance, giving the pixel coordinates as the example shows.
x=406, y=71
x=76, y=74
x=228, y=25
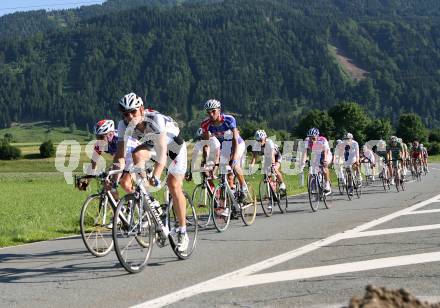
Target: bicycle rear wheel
x=202, y=203
x=95, y=224
x=314, y=193
x=191, y=228
x=248, y=210
x=341, y=186
x=266, y=198
x=133, y=233
x=221, y=208
x=358, y=186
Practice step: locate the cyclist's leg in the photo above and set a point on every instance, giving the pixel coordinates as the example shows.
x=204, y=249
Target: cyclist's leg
x=238, y=166
x=126, y=182
x=176, y=170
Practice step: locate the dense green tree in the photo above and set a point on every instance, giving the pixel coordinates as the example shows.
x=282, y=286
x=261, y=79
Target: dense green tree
x=410, y=128
x=378, y=129
x=319, y=119
x=47, y=149
x=350, y=117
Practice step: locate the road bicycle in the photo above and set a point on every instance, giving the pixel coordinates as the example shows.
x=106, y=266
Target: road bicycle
x=354, y=182
x=384, y=176
x=202, y=197
x=97, y=215
x=270, y=194
x=368, y=170
x=227, y=203
x=315, y=187
x=147, y=222
x=399, y=178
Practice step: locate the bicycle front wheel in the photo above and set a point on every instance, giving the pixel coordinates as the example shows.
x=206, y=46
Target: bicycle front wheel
x=95, y=224
x=202, y=203
x=266, y=198
x=221, y=208
x=191, y=228
x=314, y=193
x=282, y=199
x=133, y=233
x=248, y=209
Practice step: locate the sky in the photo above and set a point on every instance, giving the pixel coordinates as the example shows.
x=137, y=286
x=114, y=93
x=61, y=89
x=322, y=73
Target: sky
x=11, y=6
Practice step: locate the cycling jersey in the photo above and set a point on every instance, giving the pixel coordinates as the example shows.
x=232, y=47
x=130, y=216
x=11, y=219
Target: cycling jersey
x=222, y=132
x=318, y=149
x=109, y=147
x=156, y=124
x=260, y=149
x=395, y=150
x=214, y=147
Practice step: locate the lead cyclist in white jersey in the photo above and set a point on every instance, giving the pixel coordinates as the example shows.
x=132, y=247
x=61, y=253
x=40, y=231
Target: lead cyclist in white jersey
x=160, y=133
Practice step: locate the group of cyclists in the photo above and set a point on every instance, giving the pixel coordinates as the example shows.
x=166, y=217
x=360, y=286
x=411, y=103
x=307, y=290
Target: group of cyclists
x=144, y=134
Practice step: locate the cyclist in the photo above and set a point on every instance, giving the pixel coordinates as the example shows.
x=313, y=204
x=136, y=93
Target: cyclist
x=380, y=149
x=395, y=152
x=424, y=157
x=416, y=153
x=232, y=146
x=368, y=156
x=160, y=133
x=320, y=155
x=213, y=157
x=405, y=155
x=272, y=156
x=107, y=139
x=338, y=161
x=351, y=158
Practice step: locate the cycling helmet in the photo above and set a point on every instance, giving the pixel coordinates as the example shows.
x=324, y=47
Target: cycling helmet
x=260, y=135
x=103, y=127
x=399, y=139
x=339, y=141
x=130, y=102
x=199, y=133
x=393, y=139
x=421, y=145
x=212, y=104
x=313, y=132
x=348, y=136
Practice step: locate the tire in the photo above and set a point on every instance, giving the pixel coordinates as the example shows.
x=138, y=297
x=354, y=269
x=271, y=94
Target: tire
x=221, y=202
x=358, y=187
x=283, y=201
x=96, y=216
x=248, y=211
x=341, y=186
x=202, y=203
x=133, y=234
x=313, y=192
x=266, y=198
x=347, y=190
x=191, y=228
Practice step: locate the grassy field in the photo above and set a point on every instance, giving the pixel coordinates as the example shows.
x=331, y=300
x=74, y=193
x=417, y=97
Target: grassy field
x=37, y=132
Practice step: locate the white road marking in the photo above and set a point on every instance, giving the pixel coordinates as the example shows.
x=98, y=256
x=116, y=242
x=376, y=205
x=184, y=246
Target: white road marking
x=224, y=281
x=424, y=212
x=395, y=231
x=319, y=271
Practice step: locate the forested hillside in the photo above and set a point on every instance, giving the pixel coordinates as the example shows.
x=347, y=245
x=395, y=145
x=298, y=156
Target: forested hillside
x=268, y=61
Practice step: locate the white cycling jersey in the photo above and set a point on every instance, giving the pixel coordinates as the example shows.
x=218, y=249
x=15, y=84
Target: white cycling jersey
x=214, y=150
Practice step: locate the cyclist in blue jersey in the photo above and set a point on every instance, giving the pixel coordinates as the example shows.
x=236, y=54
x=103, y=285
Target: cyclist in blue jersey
x=224, y=128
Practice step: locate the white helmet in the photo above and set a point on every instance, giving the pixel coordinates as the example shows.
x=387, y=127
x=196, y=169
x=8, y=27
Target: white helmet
x=212, y=104
x=260, y=135
x=103, y=127
x=421, y=145
x=339, y=141
x=348, y=136
x=130, y=102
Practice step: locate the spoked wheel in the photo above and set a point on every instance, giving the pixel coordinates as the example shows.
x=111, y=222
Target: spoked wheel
x=202, y=203
x=133, y=233
x=248, y=209
x=341, y=186
x=327, y=198
x=402, y=184
x=221, y=208
x=349, y=182
x=282, y=199
x=266, y=198
x=358, y=186
x=96, y=221
x=397, y=183
x=314, y=193
x=191, y=228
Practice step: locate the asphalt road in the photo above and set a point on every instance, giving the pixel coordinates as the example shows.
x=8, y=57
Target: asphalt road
x=298, y=259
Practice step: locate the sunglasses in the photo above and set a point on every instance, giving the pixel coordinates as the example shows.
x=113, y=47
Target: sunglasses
x=129, y=112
